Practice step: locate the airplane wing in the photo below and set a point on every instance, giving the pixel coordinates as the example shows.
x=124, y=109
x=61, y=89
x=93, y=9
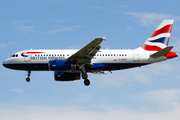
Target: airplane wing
x=84, y=55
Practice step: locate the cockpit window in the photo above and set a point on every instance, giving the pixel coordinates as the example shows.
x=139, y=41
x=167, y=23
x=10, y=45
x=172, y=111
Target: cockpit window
x=15, y=55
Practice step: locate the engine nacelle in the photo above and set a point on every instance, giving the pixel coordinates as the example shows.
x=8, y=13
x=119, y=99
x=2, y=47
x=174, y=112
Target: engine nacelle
x=63, y=76
x=56, y=65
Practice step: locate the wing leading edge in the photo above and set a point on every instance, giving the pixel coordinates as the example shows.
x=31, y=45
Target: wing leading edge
x=84, y=55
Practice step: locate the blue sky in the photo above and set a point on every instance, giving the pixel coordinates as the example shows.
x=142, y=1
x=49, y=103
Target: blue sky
x=149, y=92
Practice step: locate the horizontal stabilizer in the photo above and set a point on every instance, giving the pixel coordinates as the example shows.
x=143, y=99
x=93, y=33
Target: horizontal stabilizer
x=162, y=52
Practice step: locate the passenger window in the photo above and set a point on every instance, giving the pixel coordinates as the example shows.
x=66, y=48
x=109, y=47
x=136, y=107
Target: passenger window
x=119, y=54
x=122, y=54
x=100, y=54
x=114, y=55
x=49, y=54
x=108, y=54
x=16, y=55
x=63, y=54
x=67, y=54
x=97, y=55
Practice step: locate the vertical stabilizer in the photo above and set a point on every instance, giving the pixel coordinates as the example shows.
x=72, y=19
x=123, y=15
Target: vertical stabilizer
x=160, y=37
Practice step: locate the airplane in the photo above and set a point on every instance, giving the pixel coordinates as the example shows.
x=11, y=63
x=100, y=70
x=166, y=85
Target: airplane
x=70, y=65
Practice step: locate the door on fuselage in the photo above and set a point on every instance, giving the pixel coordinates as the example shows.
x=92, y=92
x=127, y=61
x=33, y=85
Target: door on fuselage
x=136, y=56
x=27, y=58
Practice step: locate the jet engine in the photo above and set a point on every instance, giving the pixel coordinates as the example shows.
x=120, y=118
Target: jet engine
x=56, y=65
x=64, y=76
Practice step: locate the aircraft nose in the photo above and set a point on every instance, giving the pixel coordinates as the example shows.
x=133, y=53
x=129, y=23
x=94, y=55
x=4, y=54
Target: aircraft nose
x=5, y=63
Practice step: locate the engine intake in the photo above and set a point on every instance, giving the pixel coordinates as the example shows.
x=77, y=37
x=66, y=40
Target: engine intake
x=63, y=76
x=56, y=65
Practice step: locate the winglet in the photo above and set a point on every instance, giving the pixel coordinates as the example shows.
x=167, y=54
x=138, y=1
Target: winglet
x=104, y=37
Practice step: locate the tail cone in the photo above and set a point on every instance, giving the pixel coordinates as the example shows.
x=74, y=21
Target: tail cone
x=171, y=55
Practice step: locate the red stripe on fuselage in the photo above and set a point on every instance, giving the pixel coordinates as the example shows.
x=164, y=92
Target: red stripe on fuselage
x=165, y=29
x=151, y=47
x=32, y=52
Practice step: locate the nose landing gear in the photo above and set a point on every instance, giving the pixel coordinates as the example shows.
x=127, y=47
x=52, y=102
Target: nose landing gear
x=29, y=73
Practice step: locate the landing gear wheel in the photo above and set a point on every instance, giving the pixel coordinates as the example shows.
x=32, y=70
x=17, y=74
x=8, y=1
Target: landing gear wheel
x=86, y=82
x=84, y=75
x=29, y=73
x=27, y=79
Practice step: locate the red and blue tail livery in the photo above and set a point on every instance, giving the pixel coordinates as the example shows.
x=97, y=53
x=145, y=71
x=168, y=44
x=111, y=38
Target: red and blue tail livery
x=160, y=37
x=70, y=65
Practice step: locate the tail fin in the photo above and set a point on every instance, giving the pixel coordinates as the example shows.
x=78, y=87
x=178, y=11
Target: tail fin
x=160, y=37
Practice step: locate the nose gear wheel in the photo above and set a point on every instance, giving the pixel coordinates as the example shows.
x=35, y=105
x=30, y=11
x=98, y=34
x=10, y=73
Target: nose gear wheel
x=29, y=73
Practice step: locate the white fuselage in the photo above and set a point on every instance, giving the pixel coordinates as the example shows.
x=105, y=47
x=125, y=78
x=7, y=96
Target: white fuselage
x=114, y=59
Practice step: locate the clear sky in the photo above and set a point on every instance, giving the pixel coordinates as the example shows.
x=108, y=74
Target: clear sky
x=148, y=93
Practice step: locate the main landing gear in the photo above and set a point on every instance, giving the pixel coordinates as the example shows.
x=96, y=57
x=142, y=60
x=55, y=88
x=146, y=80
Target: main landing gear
x=29, y=73
x=86, y=81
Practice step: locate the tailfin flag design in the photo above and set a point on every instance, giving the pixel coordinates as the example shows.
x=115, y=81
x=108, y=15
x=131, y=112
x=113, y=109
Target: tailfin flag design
x=160, y=37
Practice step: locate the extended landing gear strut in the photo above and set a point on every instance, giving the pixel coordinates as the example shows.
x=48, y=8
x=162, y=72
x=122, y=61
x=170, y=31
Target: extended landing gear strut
x=86, y=81
x=29, y=73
